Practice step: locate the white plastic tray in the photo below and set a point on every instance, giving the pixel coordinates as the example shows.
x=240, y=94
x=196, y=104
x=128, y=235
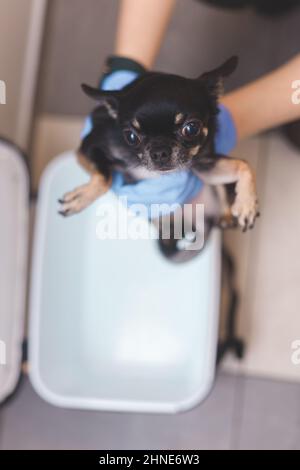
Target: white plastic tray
x=14, y=210
x=113, y=325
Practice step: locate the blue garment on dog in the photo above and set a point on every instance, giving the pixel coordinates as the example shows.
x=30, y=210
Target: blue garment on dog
x=162, y=194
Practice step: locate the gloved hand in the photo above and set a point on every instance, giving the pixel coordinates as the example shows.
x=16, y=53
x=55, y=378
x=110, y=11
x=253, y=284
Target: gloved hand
x=163, y=194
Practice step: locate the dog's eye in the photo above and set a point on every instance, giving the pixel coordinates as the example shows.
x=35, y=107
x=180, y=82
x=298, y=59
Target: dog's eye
x=191, y=129
x=131, y=137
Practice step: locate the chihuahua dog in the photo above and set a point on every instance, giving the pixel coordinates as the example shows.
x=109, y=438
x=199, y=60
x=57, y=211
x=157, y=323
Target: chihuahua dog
x=162, y=123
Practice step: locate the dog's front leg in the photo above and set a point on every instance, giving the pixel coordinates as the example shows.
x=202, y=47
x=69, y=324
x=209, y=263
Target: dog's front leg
x=230, y=170
x=81, y=197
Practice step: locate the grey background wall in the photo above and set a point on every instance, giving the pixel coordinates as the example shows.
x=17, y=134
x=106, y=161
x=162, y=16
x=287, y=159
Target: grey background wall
x=79, y=35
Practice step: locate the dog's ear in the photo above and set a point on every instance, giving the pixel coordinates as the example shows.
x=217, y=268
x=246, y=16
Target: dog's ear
x=214, y=78
x=107, y=99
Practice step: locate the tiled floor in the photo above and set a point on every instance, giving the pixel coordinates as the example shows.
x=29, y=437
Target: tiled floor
x=270, y=417
x=240, y=413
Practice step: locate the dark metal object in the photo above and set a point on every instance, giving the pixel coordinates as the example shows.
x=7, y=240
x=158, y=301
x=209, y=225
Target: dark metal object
x=231, y=342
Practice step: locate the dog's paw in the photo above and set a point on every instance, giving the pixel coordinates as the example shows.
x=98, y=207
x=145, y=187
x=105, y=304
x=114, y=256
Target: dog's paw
x=245, y=211
x=75, y=201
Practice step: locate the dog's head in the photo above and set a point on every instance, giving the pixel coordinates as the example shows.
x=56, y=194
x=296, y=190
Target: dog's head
x=165, y=120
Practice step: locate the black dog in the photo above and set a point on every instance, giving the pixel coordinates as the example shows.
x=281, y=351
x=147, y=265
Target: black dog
x=162, y=123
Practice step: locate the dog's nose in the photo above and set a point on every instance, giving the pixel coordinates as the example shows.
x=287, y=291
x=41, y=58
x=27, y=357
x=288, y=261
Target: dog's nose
x=161, y=155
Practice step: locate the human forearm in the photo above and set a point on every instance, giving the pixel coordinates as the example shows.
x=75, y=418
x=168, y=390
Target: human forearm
x=265, y=103
x=141, y=27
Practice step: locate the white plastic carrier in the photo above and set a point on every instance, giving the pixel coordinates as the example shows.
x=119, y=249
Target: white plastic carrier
x=14, y=216
x=113, y=325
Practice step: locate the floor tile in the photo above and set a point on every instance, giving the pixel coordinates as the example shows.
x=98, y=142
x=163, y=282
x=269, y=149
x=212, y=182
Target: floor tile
x=1, y=427
x=208, y=426
x=240, y=413
x=30, y=423
x=271, y=415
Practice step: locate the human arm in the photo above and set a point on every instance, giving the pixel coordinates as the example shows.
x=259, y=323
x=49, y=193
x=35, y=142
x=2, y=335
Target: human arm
x=266, y=102
x=141, y=28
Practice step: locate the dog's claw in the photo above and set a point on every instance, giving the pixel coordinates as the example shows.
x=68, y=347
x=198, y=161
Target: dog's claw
x=80, y=198
x=245, y=212
x=64, y=213
x=71, y=203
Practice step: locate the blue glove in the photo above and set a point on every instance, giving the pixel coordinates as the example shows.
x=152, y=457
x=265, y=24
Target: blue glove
x=162, y=195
